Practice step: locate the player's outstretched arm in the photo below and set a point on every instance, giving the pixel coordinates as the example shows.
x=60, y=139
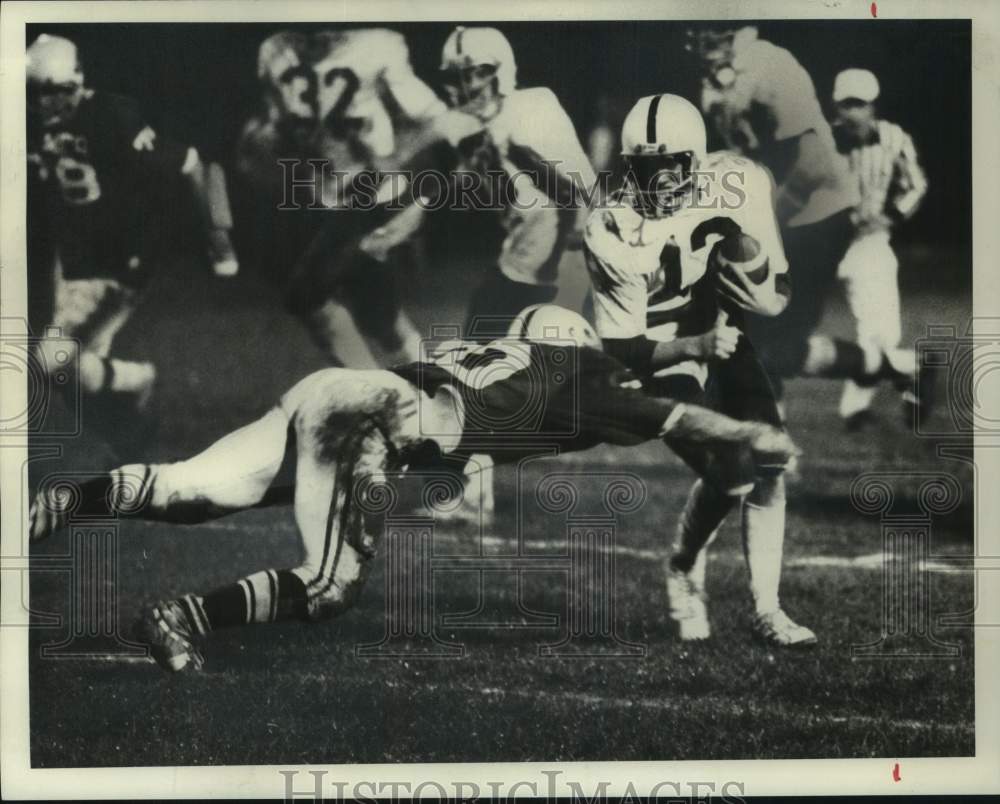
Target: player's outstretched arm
x=698, y=425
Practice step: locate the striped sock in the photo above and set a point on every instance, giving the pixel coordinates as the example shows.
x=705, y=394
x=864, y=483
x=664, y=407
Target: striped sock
x=263, y=597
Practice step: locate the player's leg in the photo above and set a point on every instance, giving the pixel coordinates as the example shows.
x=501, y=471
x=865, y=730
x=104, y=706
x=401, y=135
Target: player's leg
x=343, y=449
x=316, y=293
x=332, y=492
x=855, y=399
x=792, y=346
x=742, y=389
x=335, y=331
x=705, y=509
x=405, y=340
x=525, y=274
x=231, y=475
x=869, y=274
x=91, y=312
x=787, y=345
x=372, y=294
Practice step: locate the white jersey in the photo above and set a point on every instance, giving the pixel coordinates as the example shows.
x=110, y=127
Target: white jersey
x=369, y=111
x=363, y=70
x=771, y=99
x=533, y=128
x=646, y=272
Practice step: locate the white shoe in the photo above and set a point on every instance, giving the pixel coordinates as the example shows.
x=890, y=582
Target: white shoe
x=687, y=605
x=221, y=253
x=226, y=267
x=779, y=630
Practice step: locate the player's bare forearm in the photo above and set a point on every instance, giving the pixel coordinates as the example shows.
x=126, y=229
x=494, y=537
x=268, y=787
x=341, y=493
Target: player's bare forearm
x=670, y=353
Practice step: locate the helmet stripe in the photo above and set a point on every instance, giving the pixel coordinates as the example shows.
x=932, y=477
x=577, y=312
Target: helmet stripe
x=458, y=40
x=527, y=321
x=654, y=104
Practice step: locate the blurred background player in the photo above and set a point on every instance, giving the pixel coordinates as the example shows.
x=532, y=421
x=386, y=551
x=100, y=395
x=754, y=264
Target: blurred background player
x=761, y=103
x=352, y=431
x=529, y=142
x=883, y=163
x=94, y=163
x=350, y=100
x=654, y=258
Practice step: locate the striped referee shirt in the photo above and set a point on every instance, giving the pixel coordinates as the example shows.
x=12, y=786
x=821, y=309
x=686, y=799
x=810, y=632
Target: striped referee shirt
x=887, y=174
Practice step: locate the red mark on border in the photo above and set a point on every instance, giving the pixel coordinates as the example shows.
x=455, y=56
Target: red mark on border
x=895, y=768
x=874, y=9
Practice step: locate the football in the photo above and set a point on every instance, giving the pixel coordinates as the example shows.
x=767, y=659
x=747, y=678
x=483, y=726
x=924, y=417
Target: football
x=741, y=253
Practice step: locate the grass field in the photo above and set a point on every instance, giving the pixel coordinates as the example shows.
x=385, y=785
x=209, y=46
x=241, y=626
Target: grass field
x=291, y=693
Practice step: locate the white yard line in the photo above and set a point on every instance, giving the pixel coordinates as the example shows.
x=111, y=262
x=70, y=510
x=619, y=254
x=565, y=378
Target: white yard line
x=539, y=547
x=116, y=658
x=659, y=704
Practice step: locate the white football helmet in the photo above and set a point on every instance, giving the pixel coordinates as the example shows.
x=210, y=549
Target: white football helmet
x=663, y=140
x=550, y=322
x=55, y=79
x=478, y=70
x=283, y=69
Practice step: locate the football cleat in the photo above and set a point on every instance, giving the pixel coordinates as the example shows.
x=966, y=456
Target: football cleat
x=778, y=630
x=687, y=605
x=168, y=632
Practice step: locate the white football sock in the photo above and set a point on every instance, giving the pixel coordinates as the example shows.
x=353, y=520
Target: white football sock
x=763, y=530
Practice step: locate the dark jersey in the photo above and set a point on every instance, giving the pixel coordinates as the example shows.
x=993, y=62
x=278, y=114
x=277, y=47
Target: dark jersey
x=95, y=172
x=529, y=398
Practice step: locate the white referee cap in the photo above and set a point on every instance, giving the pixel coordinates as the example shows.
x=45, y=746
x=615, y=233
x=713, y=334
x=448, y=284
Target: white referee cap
x=855, y=83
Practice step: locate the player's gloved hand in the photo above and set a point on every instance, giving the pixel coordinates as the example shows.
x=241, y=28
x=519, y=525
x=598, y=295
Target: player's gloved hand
x=720, y=342
x=762, y=299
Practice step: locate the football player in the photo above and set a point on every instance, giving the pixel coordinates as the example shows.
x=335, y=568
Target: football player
x=883, y=162
x=761, y=103
x=91, y=153
x=527, y=140
x=340, y=107
x=354, y=431
x=660, y=257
